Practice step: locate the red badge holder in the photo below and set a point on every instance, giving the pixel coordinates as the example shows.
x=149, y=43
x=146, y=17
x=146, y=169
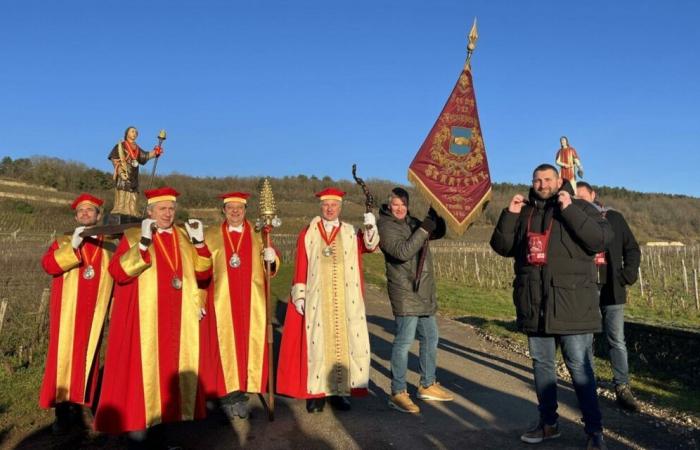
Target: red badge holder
x=599, y=259
x=537, y=244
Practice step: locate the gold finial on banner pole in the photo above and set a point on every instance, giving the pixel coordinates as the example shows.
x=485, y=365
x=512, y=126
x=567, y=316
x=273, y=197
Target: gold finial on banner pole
x=473, y=36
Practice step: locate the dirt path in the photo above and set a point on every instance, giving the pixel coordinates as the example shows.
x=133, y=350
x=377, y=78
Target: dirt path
x=494, y=403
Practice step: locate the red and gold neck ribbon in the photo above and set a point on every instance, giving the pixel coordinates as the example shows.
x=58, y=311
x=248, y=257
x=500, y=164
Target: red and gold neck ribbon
x=172, y=265
x=234, y=250
x=84, y=253
x=133, y=151
x=322, y=230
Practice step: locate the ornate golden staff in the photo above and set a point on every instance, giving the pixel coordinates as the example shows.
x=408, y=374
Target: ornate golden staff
x=161, y=137
x=266, y=221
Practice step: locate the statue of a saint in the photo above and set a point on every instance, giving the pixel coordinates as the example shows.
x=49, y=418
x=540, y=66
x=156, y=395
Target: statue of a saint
x=568, y=160
x=126, y=157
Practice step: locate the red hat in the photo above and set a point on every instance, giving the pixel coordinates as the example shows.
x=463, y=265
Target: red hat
x=162, y=194
x=330, y=194
x=240, y=197
x=86, y=198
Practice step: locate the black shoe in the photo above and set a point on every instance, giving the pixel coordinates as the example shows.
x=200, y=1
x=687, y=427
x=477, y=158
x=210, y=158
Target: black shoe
x=315, y=405
x=625, y=398
x=137, y=440
x=239, y=409
x=64, y=419
x=596, y=442
x=340, y=403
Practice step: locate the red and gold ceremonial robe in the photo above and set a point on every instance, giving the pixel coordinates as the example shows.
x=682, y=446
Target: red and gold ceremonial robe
x=326, y=351
x=79, y=304
x=151, y=372
x=234, y=349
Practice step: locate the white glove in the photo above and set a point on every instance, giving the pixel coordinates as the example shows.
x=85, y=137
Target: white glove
x=269, y=255
x=146, y=231
x=196, y=230
x=76, y=240
x=202, y=313
x=370, y=220
x=299, y=305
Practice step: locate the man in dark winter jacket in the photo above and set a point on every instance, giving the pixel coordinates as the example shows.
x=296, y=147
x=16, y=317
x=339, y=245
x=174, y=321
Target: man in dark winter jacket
x=617, y=268
x=403, y=239
x=552, y=238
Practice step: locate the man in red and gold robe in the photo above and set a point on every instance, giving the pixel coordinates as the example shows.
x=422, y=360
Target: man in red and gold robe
x=235, y=354
x=80, y=293
x=151, y=373
x=325, y=342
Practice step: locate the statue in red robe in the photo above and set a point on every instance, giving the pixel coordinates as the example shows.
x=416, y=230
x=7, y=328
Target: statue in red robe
x=570, y=163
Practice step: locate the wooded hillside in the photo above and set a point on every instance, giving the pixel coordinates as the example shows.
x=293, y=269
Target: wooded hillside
x=653, y=217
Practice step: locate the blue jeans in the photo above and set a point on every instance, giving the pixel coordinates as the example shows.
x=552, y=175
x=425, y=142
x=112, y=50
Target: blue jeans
x=406, y=327
x=575, y=349
x=614, y=329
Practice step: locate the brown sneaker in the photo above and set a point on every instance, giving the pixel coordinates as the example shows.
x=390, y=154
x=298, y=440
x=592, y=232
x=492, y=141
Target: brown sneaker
x=402, y=402
x=625, y=398
x=541, y=432
x=434, y=392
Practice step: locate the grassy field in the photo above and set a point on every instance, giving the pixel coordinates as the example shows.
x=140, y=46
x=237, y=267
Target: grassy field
x=493, y=311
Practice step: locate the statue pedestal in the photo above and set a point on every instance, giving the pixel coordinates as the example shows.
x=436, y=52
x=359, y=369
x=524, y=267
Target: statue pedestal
x=119, y=219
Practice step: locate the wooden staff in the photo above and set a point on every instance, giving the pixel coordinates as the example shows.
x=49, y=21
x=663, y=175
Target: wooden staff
x=369, y=198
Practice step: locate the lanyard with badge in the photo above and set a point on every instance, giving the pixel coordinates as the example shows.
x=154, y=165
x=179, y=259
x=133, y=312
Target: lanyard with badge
x=599, y=259
x=537, y=243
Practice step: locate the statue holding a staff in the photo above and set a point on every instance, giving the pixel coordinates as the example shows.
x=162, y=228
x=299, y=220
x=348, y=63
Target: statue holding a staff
x=126, y=157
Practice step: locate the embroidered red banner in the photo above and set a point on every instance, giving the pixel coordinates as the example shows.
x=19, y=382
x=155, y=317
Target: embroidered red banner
x=450, y=169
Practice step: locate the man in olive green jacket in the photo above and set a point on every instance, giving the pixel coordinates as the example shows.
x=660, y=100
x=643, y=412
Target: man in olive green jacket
x=403, y=239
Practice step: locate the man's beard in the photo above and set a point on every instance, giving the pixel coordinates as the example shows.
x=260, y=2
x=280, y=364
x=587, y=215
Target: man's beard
x=546, y=194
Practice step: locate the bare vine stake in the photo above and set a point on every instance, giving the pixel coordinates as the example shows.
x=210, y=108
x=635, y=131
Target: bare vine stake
x=476, y=269
x=685, y=276
x=641, y=282
x=695, y=283
x=41, y=316
x=663, y=279
x=3, y=308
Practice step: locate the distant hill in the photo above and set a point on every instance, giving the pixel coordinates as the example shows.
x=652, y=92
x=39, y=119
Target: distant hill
x=35, y=194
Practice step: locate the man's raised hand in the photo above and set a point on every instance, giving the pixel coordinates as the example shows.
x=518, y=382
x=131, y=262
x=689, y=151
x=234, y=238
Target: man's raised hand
x=516, y=204
x=76, y=240
x=195, y=230
x=564, y=199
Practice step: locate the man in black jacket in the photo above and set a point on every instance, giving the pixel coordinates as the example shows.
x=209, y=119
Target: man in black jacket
x=552, y=238
x=617, y=268
x=403, y=239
